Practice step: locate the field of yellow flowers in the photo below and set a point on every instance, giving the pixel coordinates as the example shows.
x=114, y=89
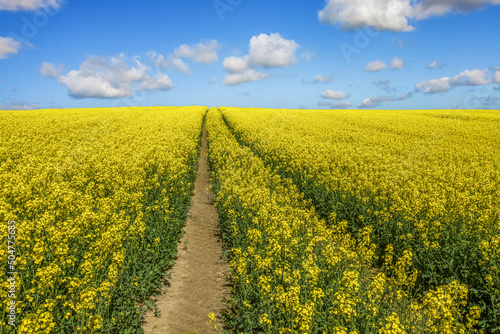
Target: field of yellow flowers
x=359, y=221
x=335, y=221
x=96, y=200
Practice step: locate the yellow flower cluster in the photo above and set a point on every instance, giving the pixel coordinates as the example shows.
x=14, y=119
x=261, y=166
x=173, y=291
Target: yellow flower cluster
x=441, y=309
x=410, y=208
x=92, y=192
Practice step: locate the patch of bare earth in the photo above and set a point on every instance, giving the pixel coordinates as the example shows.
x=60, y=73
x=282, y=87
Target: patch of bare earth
x=198, y=280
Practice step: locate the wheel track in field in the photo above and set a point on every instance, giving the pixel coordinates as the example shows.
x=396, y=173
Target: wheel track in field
x=198, y=280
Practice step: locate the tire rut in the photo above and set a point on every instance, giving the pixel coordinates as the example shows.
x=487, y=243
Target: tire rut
x=198, y=282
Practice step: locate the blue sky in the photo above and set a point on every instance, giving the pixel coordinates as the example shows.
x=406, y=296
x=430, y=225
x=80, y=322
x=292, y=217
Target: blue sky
x=384, y=54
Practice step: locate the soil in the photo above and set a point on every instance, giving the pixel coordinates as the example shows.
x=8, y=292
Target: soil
x=198, y=281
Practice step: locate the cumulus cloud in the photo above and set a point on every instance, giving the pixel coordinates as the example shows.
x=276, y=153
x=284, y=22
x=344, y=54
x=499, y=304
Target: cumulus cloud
x=470, y=78
x=465, y=78
x=434, y=86
x=113, y=77
x=373, y=101
x=158, y=82
x=397, y=63
x=389, y=15
x=375, y=66
x=171, y=63
x=335, y=105
x=496, y=76
x=321, y=78
x=8, y=46
x=247, y=76
x=265, y=51
x=81, y=85
x=203, y=52
x=235, y=64
x=392, y=15
x=51, y=70
x=332, y=94
x=377, y=100
x=29, y=5
x=271, y=51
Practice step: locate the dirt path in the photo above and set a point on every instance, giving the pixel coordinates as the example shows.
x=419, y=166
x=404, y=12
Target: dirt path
x=198, y=280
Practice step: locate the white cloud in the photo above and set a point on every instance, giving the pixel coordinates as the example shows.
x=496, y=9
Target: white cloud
x=235, y=64
x=332, y=94
x=265, y=51
x=496, y=76
x=8, y=46
x=178, y=64
x=159, y=82
x=435, y=64
x=16, y=5
x=470, y=78
x=18, y=105
x=397, y=63
x=392, y=15
x=375, y=66
x=271, y=51
x=213, y=79
x=377, y=100
x=434, y=86
x=81, y=85
x=170, y=63
x=356, y=14
x=51, y=70
x=432, y=65
x=320, y=78
x=373, y=101
x=465, y=78
x=336, y=104
x=247, y=76
x=203, y=52
x=113, y=77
